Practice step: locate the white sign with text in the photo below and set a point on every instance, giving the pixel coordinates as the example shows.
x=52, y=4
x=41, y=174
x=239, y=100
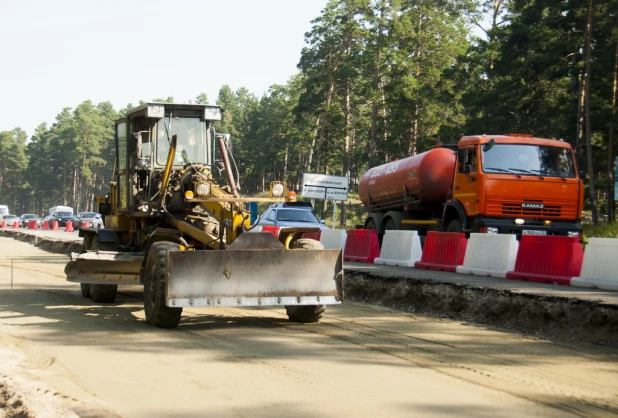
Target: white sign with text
x=322, y=186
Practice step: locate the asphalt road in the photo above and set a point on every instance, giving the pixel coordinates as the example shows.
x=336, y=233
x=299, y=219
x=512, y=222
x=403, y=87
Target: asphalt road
x=63, y=354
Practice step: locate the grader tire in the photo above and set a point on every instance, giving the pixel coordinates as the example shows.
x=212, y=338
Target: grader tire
x=102, y=293
x=85, y=288
x=157, y=313
x=86, y=245
x=306, y=313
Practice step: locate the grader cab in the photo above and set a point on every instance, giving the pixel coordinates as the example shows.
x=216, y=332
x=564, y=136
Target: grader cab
x=175, y=223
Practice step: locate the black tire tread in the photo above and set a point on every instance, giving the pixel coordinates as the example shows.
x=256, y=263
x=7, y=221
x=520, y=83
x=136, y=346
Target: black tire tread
x=85, y=288
x=454, y=226
x=306, y=313
x=103, y=293
x=158, y=314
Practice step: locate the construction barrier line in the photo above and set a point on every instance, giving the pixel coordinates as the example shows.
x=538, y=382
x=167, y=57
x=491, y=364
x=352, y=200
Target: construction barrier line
x=443, y=251
x=400, y=248
x=547, y=259
x=361, y=245
x=600, y=265
x=489, y=255
x=333, y=239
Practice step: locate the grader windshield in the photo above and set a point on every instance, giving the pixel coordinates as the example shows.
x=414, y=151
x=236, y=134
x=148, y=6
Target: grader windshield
x=192, y=144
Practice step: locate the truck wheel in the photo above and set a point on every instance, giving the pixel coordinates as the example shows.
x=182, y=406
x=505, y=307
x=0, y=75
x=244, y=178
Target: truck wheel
x=102, y=293
x=370, y=224
x=306, y=313
x=390, y=225
x=454, y=226
x=86, y=245
x=157, y=313
x=85, y=288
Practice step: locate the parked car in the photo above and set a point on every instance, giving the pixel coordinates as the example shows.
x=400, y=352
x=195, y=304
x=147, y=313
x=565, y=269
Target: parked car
x=61, y=217
x=9, y=219
x=291, y=215
x=94, y=220
x=25, y=219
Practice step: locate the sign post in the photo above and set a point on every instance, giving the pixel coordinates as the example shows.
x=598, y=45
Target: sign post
x=322, y=186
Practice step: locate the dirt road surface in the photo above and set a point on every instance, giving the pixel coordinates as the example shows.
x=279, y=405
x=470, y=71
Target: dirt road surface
x=62, y=355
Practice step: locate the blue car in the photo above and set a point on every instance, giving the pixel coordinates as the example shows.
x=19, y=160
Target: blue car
x=291, y=215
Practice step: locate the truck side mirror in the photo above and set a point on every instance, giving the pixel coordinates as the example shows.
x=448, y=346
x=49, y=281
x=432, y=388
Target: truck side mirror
x=466, y=168
x=489, y=145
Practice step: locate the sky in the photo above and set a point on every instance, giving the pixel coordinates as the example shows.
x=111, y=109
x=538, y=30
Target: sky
x=56, y=54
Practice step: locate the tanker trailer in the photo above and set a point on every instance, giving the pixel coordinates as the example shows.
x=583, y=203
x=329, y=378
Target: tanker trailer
x=513, y=183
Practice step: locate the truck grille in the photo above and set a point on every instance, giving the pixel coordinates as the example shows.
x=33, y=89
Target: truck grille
x=516, y=209
x=512, y=207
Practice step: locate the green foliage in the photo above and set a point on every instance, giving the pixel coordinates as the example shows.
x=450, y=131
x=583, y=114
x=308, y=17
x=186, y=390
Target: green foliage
x=601, y=230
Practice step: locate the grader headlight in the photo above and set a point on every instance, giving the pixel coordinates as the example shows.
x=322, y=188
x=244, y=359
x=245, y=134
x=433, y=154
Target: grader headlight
x=203, y=190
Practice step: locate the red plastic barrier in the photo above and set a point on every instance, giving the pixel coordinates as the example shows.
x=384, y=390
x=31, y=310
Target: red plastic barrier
x=443, y=251
x=69, y=227
x=312, y=235
x=3, y=224
x=33, y=225
x=272, y=229
x=361, y=245
x=548, y=259
x=15, y=225
x=84, y=224
x=54, y=226
x=46, y=225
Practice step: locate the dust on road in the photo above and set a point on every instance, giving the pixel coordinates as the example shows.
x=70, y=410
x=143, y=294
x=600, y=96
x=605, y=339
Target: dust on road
x=62, y=350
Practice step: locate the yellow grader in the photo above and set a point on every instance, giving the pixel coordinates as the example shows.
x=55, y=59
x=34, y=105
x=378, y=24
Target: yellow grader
x=174, y=223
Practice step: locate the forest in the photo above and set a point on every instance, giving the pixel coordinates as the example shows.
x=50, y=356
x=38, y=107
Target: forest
x=377, y=80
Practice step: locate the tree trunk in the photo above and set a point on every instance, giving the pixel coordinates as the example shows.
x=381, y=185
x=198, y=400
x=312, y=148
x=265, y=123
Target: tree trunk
x=611, y=208
x=587, y=60
x=315, y=134
x=346, y=146
x=322, y=141
x=284, y=177
x=64, y=183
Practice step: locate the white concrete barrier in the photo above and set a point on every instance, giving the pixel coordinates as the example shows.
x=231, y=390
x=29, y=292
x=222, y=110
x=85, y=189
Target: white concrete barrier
x=333, y=239
x=490, y=255
x=600, y=265
x=400, y=248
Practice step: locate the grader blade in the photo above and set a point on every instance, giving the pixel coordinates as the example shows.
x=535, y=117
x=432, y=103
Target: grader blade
x=104, y=267
x=254, y=277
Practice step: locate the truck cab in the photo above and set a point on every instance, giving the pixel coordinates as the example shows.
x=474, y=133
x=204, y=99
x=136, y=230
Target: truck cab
x=515, y=184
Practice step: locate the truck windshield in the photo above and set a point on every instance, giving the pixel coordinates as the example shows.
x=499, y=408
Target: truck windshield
x=529, y=160
x=191, y=146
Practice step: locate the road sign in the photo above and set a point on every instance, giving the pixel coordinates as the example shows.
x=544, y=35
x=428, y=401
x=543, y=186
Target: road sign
x=321, y=186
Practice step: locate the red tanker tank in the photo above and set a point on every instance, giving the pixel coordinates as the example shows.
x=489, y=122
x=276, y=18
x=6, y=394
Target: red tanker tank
x=426, y=177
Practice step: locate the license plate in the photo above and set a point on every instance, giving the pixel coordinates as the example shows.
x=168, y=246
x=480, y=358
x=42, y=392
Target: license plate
x=533, y=232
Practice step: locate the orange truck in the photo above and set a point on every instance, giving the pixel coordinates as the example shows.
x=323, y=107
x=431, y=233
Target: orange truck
x=499, y=184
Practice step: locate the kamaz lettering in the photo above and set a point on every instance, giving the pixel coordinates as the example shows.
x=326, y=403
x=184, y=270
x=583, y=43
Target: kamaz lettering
x=532, y=205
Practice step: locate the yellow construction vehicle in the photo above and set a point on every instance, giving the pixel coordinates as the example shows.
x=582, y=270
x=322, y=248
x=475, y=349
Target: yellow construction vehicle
x=175, y=223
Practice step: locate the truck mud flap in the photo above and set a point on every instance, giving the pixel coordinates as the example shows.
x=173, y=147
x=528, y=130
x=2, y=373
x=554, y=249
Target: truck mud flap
x=104, y=267
x=254, y=277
